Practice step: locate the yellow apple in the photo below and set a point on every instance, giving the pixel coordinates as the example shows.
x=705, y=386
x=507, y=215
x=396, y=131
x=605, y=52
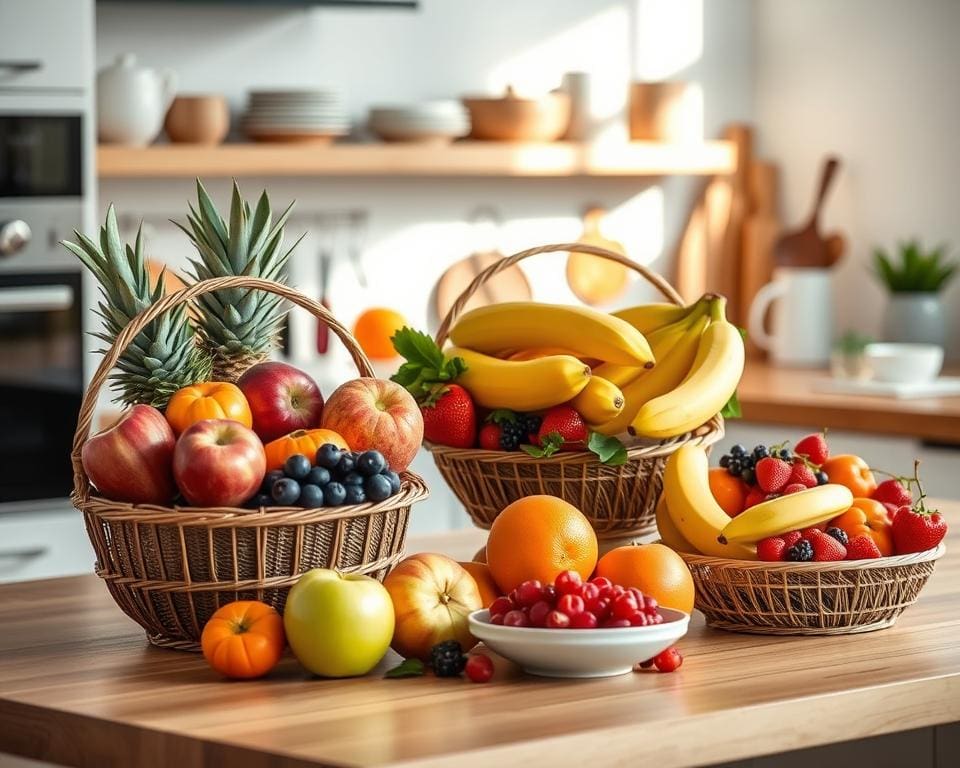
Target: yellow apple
x=432, y=597
x=338, y=625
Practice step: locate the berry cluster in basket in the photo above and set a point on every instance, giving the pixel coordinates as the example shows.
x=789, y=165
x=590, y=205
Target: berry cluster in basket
x=545, y=378
x=270, y=439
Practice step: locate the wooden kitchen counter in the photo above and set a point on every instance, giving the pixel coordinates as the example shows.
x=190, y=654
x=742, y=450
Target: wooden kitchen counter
x=772, y=395
x=79, y=685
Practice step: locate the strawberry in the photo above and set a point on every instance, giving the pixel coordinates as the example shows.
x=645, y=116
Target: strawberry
x=451, y=418
x=563, y=427
x=792, y=537
x=825, y=548
x=862, y=548
x=772, y=474
x=755, y=496
x=771, y=549
x=490, y=437
x=793, y=488
x=892, y=491
x=814, y=448
x=892, y=509
x=915, y=529
x=802, y=474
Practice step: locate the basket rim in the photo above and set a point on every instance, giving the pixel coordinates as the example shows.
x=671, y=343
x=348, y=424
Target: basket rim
x=891, y=561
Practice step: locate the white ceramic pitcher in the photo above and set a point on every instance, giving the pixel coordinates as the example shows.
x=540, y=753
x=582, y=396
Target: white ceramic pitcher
x=132, y=101
x=802, y=317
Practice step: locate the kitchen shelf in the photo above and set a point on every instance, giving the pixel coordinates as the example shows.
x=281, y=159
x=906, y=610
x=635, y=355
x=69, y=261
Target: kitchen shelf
x=464, y=158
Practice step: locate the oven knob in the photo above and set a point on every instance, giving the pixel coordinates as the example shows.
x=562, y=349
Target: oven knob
x=14, y=235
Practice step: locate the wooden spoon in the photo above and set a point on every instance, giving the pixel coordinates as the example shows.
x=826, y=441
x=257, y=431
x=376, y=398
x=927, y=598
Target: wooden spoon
x=806, y=247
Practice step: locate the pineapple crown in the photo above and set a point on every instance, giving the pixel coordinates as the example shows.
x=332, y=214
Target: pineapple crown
x=163, y=357
x=238, y=321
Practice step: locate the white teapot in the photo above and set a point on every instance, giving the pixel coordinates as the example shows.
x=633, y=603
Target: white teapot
x=132, y=101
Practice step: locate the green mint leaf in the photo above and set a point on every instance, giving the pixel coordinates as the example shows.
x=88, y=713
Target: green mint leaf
x=406, y=668
x=532, y=450
x=425, y=366
x=608, y=449
x=501, y=416
x=417, y=348
x=551, y=443
x=732, y=409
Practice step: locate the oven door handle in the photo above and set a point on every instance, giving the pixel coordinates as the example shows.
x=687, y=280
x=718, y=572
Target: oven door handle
x=21, y=67
x=41, y=298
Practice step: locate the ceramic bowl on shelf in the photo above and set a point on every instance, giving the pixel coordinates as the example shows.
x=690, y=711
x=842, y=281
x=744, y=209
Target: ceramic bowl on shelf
x=904, y=363
x=198, y=119
x=579, y=652
x=431, y=121
x=512, y=118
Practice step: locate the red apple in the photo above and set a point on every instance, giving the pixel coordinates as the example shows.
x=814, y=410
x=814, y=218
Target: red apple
x=376, y=414
x=133, y=459
x=218, y=463
x=282, y=399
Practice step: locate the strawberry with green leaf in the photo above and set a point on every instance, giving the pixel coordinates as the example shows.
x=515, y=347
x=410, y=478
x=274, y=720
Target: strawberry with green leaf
x=449, y=414
x=563, y=429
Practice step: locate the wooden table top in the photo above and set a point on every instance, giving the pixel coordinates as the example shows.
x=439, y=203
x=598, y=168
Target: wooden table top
x=79, y=685
x=772, y=395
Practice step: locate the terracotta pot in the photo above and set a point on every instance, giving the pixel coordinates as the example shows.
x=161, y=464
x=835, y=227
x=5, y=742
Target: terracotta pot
x=198, y=120
x=659, y=111
x=511, y=118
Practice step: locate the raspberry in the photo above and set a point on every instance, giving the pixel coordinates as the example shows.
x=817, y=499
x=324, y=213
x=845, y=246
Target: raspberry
x=771, y=549
x=802, y=474
x=826, y=548
x=772, y=474
x=862, y=548
x=814, y=447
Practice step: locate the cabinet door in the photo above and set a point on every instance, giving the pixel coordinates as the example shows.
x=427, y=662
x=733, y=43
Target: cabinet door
x=46, y=44
x=43, y=545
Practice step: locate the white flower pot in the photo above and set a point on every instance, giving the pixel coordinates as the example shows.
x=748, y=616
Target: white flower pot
x=915, y=318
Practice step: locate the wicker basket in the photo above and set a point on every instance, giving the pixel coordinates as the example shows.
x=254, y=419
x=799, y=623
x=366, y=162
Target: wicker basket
x=808, y=598
x=619, y=501
x=170, y=568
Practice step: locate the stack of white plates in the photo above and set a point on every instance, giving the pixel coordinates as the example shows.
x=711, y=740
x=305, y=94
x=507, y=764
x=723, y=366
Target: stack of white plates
x=308, y=115
x=431, y=121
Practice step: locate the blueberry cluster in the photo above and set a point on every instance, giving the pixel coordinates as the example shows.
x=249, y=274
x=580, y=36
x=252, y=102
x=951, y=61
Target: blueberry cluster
x=518, y=430
x=336, y=477
x=740, y=463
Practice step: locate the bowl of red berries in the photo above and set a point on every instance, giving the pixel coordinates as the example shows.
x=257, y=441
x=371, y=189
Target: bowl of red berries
x=573, y=628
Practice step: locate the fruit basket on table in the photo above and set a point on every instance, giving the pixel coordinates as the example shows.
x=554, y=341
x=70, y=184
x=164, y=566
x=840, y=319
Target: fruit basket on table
x=170, y=567
x=619, y=500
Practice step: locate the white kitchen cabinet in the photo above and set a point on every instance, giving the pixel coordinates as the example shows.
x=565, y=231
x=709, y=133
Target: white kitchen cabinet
x=44, y=542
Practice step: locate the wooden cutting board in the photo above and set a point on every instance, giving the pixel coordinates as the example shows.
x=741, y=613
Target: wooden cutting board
x=509, y=285
x=760, y=233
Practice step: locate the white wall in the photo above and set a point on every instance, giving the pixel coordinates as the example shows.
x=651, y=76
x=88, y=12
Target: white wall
x=878, y=82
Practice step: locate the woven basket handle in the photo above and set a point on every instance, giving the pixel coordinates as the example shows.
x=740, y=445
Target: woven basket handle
x=81, y=483
x=651, y=277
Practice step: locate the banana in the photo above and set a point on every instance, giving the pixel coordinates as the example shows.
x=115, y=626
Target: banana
x=646, y=318
x=692, y=508
x=533, y=353
x=669, y=534
x=787, y=513
x=528, y=385
x=599, y=401
x=712, y=379
x=527, y=324
x=664, y=377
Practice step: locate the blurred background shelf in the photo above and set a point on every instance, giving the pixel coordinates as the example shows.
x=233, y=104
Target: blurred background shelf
x=490, y=159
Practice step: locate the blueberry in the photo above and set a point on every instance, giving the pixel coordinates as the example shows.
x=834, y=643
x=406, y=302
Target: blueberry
x=760, y=452
x=725, y=461
x=297, y=466
x=735, y=467
x=355, y=494
x=394, y=479
x=260, y=500
x=738, y=450
x=333, y=494
x=785, y=454
x=318, y=476
x=748, y=476
x=377, y=488
x=286, y=491
x=270, y=478
x=310, y=496
x=822, y=478
x=371, y=463
x=345, y=465
x=328, y=455
x=352, y=478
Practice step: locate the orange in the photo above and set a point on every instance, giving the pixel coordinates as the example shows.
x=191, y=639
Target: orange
x=373, y=330
x=480, y=556
x=730, y=492
x=489, y=591
x=853, y=472
x=539, y=537
x=654, y=569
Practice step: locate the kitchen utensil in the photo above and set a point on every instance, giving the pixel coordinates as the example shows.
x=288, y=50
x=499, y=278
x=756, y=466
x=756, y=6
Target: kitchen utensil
x=198, y=120
x=904, y=363
x=579, y=86
x=323, y=331
x=579, y=652
x=592, y=279
x=512, y=118
x=437, y=121
x=356, y=235
x=760, y=231
x=664, y=112
x=805, y=247
x=132, y=101
x=802, y=319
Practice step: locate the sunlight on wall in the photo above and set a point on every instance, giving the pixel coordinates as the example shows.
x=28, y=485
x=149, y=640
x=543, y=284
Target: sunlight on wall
x=668, y=36
x=637, y=224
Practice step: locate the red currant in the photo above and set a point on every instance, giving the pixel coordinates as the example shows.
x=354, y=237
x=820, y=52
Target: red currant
x=624, y=607
x=496, y=618
x=649, y=604
x=639, y=619
x=538, y=613
x=516, y=618
x=600, y=607
x=570, y=605
x=584, y=620
x=529, y=593
x=656, y=619
x=616, y=590
x=601, y=581
x=550, y=594
x=501, y=605
x=568, y=582
x=669, y=660
x=589, y=591
x=557, y=620
x=479, y=668
x=637, y=594
x=615, y=623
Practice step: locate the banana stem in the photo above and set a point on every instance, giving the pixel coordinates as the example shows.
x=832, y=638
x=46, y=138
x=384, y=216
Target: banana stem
x=718, y=309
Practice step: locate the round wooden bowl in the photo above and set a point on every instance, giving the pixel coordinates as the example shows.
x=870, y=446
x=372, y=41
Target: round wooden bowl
x=511, y=118
x=198, y=120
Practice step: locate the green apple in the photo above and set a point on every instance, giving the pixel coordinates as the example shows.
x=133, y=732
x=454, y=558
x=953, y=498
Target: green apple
x=338, y=625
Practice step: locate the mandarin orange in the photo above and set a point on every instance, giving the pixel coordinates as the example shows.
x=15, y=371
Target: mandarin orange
x=654, y=569
x=729, y=492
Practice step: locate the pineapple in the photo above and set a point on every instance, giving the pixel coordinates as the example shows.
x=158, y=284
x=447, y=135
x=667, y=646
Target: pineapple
x=164, y=356
x=238, y=326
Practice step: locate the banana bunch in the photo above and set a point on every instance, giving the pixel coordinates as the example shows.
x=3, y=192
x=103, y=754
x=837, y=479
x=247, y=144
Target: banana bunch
x=690, y=520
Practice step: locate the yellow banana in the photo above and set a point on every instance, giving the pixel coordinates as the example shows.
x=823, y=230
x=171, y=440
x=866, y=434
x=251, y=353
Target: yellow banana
x=533, y=353
x=692, y=508
x=664, y=377
x=712, y=379
x=599, y=401
x=528, y=385
x=787, y=513
x=646, y=318
x=669, y=534
x=525, y=324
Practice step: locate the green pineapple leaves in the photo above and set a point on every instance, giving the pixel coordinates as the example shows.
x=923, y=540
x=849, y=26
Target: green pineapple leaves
x=917, y=271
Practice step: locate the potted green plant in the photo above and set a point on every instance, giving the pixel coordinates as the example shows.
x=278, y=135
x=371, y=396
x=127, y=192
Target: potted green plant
x=914, y=280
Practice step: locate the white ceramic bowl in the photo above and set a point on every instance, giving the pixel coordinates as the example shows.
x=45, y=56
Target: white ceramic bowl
x=579, y=652
x=904, y=363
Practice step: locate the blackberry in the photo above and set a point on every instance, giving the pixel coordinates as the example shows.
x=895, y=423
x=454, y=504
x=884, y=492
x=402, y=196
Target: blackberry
x=512, y=433
x=748, y=476
x=447, y=659
x=735, y=467
x=725, y=460
x=760, y=452
x=822, y=478
x=801, y=552
x=839, y=534
x=738, y=450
